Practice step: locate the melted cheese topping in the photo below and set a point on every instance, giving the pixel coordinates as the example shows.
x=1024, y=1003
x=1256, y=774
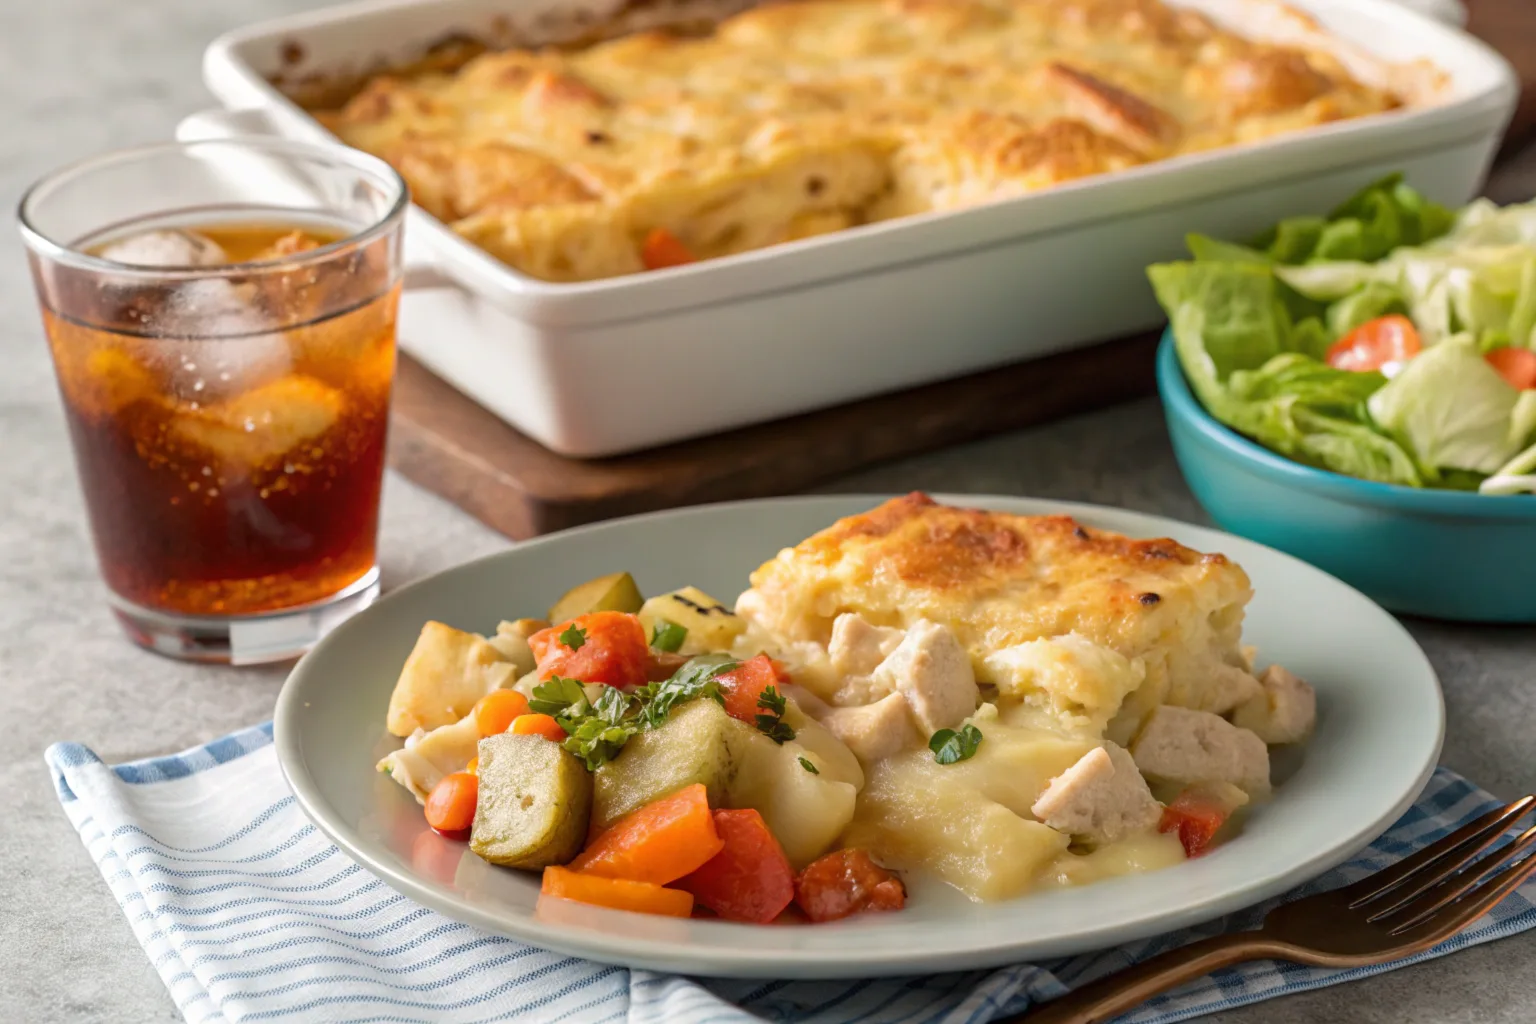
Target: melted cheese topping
x=801, y=118
x=1002, y=581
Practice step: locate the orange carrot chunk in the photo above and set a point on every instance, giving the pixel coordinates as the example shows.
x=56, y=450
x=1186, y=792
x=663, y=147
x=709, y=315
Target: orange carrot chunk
x=1196, y=815
x=658, y=843
x=616, y=893
x=497, y=711
x=451, y=804
x=538, y=725
x=847, y=882
x=750, y=878
x=662, y=248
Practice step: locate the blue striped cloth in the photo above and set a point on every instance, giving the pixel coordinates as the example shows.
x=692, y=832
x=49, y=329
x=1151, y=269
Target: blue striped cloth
x=250, y=914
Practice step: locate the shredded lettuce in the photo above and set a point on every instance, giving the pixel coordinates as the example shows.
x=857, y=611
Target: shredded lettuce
x=1252, y=323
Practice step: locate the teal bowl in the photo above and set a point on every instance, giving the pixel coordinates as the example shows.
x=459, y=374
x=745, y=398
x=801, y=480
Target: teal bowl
x=1443, y=554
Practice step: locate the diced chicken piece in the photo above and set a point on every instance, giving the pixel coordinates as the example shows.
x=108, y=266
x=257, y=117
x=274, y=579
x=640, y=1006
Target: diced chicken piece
x=1101, y=799
x=1228, y=687
x=166, y=249
x=933, y=672
x=445, y=676
x=856, y=691
x=857, y=648
x=1284, y=712
x=428, y=756
x=1181, y=746
x=874, y=731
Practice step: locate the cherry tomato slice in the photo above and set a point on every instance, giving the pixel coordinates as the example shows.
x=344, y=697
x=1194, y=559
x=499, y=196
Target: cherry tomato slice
x=1375, y=343
x=1516, y=365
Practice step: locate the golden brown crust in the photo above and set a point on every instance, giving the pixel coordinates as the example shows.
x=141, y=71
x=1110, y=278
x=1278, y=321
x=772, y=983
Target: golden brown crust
x=797, y=117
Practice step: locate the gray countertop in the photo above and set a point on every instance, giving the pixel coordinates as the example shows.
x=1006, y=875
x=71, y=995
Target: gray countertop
x=82, y=76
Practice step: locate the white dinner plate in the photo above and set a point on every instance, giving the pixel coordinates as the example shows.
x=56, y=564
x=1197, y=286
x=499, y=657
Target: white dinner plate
x=1379, y=731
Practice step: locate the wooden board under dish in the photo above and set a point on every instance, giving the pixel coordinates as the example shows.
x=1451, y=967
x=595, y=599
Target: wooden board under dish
x=453, y=447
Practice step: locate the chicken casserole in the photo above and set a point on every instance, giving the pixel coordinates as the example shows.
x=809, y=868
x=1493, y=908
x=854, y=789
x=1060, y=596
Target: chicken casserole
x=807, y=117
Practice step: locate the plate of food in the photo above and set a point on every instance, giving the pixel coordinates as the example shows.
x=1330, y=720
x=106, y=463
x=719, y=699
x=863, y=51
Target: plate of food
x=846, y=736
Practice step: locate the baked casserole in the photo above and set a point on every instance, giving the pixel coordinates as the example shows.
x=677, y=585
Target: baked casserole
x=807, y=117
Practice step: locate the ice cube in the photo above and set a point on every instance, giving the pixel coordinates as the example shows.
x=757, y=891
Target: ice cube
x=261, y=426
x=170, y=248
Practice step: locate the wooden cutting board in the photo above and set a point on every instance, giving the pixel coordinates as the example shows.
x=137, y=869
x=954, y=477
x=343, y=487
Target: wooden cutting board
x=451, y=446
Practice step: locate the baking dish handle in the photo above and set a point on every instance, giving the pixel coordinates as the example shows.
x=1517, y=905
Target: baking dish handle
x=418, y=273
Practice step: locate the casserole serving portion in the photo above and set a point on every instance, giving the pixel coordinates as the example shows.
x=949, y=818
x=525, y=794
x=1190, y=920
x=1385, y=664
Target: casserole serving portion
x=807, y=117
x=579, y=364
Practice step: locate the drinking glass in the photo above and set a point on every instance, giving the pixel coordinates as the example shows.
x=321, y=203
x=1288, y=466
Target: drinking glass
x=228, y=418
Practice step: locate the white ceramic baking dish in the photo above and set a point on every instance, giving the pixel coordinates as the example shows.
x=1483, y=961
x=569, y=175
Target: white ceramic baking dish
x=602, y=367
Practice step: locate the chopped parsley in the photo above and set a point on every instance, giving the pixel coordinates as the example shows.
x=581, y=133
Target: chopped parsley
x=949, y=746
x=805, y=763
x=556, y=694
x=668, y=636
x=573, y=637
x=772, y=724
x=700, y=677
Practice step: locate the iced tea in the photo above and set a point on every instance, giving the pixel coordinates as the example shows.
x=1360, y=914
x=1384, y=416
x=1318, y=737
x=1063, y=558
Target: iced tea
x=221, y=316
x=234, y=474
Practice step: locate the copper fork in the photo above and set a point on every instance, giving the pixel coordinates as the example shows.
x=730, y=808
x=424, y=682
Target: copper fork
x=1396, y=912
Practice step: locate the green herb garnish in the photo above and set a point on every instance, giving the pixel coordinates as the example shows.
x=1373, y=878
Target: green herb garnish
x=806, y=764
x=556, y=694
x=949, y=746
x=700, y=677
x=573, y=637
x=772, y=724
x=668, y=636
x=598, y=731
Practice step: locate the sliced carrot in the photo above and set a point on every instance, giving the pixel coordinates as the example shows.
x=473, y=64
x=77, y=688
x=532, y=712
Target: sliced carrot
x=662, y=248
x=616, y=893
x=451, y=804
x=659, y=843
x=538, y=725
x=497, y=711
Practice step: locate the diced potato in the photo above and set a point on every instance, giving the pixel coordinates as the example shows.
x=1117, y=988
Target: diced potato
x=615, y=592
x=804, y=810
x=447, y=672
x=535, y=802
x=427, y=756
x=511, y=640
x=832, y=757
x=700, y=743
x=910, y=817
x=1134, y=855
x=1012, y=766
x=711, y=625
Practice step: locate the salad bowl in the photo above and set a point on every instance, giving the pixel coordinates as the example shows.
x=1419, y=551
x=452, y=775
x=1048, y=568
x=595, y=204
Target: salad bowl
x=1441, y=553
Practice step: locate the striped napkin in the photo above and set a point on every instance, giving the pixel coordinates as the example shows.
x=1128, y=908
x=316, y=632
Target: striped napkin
x=250, y=914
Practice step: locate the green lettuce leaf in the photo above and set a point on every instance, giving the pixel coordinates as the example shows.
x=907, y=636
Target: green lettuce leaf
x=1453, y=411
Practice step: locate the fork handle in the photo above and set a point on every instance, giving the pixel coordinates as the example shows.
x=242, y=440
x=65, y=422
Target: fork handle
x=1114, y=995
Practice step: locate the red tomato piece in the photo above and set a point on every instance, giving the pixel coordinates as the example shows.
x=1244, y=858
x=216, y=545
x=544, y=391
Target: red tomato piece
x=750, y=878
x=1196, y=816
x=1516, y=365
x=743, y=685
x=611, y=649
x=847, y=882
x=662, y=248
x=1375, y=343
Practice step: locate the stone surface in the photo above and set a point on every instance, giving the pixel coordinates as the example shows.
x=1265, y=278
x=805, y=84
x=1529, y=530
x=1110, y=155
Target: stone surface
x=81, y=76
